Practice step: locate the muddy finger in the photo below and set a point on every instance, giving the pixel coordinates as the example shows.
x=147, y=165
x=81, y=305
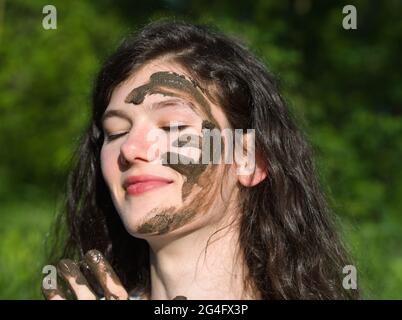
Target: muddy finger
x=107, y=278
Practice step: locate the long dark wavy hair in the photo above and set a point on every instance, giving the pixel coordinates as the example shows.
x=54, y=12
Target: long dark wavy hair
x=287, y=234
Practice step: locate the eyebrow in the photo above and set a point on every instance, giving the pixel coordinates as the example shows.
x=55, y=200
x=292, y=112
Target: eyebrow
x=172, y=101
x=115, y=113
x=154, y=106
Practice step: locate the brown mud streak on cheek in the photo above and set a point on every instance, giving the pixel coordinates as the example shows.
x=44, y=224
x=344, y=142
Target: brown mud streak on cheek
x=188, y=140
x=164, y=222
x=171, y=80
x=192, y=171
x=213, y=149
x=102, y=270
x=168, y=220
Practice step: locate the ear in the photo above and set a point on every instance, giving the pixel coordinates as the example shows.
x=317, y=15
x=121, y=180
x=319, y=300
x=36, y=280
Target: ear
x=251, y=168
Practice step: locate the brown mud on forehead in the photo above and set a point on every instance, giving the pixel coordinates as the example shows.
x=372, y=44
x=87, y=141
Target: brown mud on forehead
x=162, y=80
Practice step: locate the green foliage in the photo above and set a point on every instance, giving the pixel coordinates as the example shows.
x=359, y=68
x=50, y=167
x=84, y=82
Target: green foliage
x=23, y=230
x=344, y=87
x=46, y=78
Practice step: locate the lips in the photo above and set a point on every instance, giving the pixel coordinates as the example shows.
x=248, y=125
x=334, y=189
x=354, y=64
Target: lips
x=135, y=185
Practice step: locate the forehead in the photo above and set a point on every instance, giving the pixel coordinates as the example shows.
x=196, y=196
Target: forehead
x=142, y=76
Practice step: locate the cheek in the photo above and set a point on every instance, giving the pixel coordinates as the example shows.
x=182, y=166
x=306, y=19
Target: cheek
x=109, y=163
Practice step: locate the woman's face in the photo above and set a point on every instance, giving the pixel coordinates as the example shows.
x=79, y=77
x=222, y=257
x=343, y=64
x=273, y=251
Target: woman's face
x=153, y=128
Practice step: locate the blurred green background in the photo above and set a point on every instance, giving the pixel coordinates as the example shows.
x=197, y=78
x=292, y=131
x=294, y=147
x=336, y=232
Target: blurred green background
x=345, y=86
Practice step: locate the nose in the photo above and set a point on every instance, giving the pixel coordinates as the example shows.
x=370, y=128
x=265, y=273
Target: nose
x=136, y=147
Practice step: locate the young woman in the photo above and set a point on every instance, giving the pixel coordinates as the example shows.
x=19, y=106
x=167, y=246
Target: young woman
x=148, y=227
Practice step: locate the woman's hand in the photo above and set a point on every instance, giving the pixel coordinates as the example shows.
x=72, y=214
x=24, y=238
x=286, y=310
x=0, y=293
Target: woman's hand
x=100, y=268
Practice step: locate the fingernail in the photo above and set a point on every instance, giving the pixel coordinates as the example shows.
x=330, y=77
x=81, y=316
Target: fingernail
x=93, y=256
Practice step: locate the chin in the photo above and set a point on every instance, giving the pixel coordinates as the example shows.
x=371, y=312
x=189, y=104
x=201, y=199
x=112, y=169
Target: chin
x=133, y=219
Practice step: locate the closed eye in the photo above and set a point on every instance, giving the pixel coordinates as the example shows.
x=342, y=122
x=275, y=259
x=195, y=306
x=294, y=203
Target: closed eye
x=111, y=137
x=169, y=128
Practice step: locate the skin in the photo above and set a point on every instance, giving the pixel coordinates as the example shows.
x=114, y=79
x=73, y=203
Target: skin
x=166, y=83
x=198, y=209
x=162, y=219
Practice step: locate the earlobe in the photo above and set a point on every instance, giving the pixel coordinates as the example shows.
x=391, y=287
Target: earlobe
x=251, y=180
x=251, y=167
x=254, y=175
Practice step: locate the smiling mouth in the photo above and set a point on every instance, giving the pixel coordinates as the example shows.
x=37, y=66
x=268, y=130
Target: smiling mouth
x=141, y=187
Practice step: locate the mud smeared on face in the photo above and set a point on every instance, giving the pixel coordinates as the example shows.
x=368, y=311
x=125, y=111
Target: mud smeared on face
x=166, y=220
x=192, y=169
x=161, y=82
x=173, y=84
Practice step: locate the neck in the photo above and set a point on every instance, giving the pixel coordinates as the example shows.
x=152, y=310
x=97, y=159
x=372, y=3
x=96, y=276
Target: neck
x=203, y=265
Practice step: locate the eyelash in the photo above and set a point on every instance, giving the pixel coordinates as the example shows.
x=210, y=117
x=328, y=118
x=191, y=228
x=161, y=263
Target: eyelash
x=168, y=128
x=112, y=137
